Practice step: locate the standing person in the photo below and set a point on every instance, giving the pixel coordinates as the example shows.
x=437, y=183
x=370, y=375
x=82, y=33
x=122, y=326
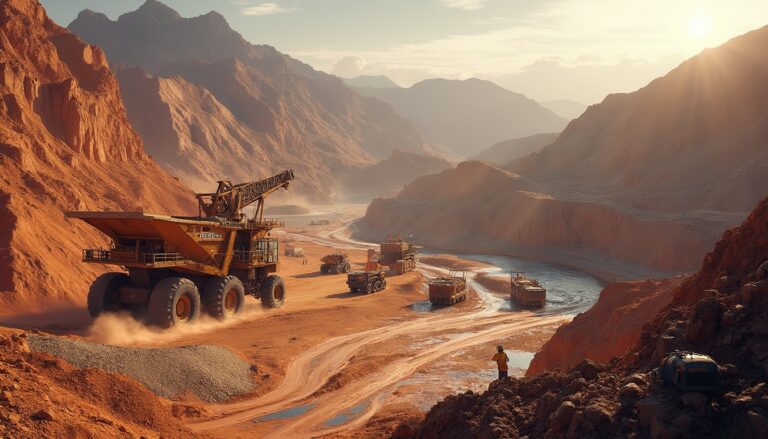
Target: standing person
x=501, y=360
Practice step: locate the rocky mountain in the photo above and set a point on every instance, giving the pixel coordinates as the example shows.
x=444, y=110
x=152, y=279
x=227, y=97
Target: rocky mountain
x=65, y=144
x=463, y=117
x=565, y=108
x=477, y=207
x=719, y=311
x=263, y=110
x=691, y=140
x=369, y=81
x=685, y=153
x=504, y=152
x=388, y=177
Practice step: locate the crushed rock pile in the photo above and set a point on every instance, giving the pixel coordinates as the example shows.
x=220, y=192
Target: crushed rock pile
x=210, y=373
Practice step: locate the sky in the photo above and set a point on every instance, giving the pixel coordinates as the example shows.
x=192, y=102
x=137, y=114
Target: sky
x=578, y=50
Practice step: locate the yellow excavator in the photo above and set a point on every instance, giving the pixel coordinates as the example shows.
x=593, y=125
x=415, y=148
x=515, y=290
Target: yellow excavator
x=177, y=267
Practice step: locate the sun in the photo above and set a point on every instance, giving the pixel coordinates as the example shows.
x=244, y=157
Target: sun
x=699, y=25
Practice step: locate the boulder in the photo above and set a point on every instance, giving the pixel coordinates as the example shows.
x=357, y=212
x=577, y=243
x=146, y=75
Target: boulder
x=757, y=424
x=598, y=414
x=589, y=369
x=630, y=393
x=562, y=417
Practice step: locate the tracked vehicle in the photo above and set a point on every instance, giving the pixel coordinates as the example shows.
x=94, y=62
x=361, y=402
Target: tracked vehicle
x=527, y=292
x=398, y=255
x=335, y=263
x=448, y=290
x=179, y=266
x=366, y=282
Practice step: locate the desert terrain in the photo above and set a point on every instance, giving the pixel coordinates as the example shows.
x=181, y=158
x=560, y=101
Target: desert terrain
x=330, y=362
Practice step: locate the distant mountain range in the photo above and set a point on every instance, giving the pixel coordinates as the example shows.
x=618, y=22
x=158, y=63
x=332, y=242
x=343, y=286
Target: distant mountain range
x=212, y=106
x=565, y=108
x=644, y=179
x=379, y=81
x=504, y=152
x=464, y=117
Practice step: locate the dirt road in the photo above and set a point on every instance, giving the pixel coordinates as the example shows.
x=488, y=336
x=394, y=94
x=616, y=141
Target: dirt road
x=302, y=406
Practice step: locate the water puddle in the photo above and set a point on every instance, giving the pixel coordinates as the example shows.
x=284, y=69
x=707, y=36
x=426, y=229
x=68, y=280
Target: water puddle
x=347, y=415
x=287, y=413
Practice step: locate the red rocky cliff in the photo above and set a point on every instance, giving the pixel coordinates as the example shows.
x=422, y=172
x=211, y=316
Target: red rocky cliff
x=65, y=144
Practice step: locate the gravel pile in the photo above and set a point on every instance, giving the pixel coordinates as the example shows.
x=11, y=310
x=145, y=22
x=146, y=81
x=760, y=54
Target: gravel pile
x=211, y=373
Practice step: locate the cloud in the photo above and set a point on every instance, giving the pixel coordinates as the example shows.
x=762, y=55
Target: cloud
x=265, y=9
x=467, y=5
x=349, y=66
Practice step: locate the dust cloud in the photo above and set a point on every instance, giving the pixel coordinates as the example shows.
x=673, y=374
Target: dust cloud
x=122, y=329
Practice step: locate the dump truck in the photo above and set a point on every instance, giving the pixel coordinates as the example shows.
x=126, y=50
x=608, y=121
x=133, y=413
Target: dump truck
x=527, y=292
x=335, y=263
x=398, y=255
x=177, y=266
x=448, y=290
x=688, y=371
x=366, y=281
x=322, y=222
x=294, y=252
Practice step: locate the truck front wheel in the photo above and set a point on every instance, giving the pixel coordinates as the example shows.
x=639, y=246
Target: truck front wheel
x=102, y=296
x=272, y=291
x=174, y=301
x=223, y=297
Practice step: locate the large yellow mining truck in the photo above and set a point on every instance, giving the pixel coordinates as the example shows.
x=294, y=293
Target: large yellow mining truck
x=448, y=290
x=176, y=266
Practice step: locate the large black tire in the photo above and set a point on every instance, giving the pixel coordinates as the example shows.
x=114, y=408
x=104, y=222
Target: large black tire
x=102, y=296
x=346, y=268
x=323, y=269
x=174, y=301
x=377, y=286
x=272, y=291
x=335, y=269
x=223, y=297
x=369, y=288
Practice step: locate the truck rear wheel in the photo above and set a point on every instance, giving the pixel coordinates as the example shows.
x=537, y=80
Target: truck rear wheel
x=223, y=297
x=377, y=286
x=174, y=301
x=103, y=294
x=346, y=268
x=272, y=291
x=369, y=288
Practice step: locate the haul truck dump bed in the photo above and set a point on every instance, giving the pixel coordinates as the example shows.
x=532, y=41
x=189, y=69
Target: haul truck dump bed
x=179, y=266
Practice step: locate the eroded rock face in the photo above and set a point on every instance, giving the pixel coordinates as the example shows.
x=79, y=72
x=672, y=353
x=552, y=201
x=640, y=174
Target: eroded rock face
x=65, y=144
x=619, y=399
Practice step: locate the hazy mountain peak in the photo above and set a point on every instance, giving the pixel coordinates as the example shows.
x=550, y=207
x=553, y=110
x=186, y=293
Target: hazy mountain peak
x=158, y=11
x=371, y=81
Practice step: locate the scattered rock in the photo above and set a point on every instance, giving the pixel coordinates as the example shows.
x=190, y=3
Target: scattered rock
x=562, y=416
x=630, y=393
x=704, y=320
x=43, y=415
x=588, y=369
x=598, y=414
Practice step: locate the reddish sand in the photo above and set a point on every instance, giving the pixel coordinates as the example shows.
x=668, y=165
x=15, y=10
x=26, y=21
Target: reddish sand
x=65, y=144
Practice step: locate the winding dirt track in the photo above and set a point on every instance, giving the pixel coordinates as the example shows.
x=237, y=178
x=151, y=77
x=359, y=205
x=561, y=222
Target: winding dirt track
x=312, y=369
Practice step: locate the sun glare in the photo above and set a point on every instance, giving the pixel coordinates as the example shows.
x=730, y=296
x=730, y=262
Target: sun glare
x=699, y=25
